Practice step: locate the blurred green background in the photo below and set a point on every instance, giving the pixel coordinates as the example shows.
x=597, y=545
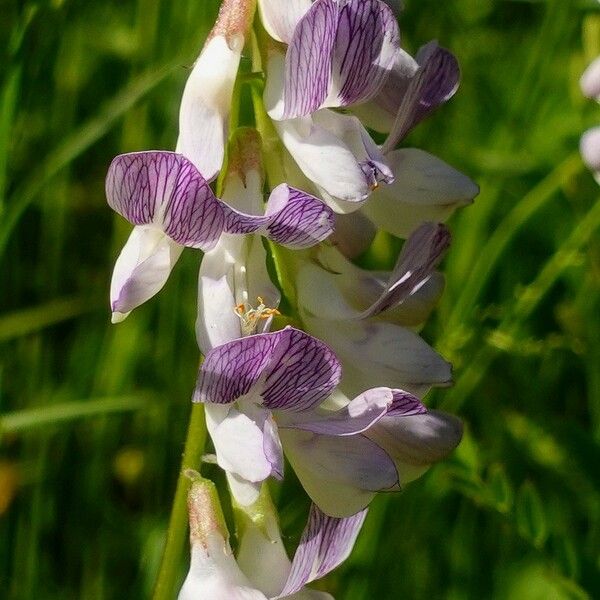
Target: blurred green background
x=93, y=416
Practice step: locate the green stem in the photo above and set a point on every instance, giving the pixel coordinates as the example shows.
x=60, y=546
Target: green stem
x=178, y=523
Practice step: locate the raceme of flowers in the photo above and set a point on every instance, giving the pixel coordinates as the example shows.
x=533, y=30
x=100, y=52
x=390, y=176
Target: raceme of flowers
x=336, y=384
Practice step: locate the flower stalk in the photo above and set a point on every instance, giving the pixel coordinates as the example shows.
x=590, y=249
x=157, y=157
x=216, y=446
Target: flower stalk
x=177, y=532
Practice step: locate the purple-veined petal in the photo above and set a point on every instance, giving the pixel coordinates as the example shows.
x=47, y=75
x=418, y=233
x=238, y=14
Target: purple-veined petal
x=302, y=372
x=590, y=81
x=405, y=405
x=366, y=45
x=166, y=190
x=434, y=83
x=590, y=149
x=415, y=441
x=421, y=253
x=293, y=370
x=425, y=189
x=232, y=370
x=141, y=270
x=326, y=543
x=280, y=18
x=297, y=219
x=239, y=440
x=341, y=474
x=357, y=416
x=340, y=54
x=309, y=60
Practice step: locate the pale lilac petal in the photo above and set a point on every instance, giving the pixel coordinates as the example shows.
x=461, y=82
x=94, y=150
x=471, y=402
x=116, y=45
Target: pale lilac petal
x=434, y=83
x=243, y=491
x=297, y=219
x=272, y=447
x=405, y=405
x=379, y=352
x=340, y=54
x=341, y=474
x=239, y=441
x=421, y=253
x=590, y=149
x=425, y=189
x=165, y=189
x=303, y=371
x=357, y=416
x=280, y=18
x=326, y=543
x=415, y=442
x=590, y=80
x=141, y=270
x=296, y=371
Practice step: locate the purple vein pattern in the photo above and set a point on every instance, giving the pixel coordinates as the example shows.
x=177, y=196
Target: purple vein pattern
x=422, y=252
x=405, y=405
x=326, y=542
x=351, y=43
x=434, y=83
x=166, y=190
x=290, y=370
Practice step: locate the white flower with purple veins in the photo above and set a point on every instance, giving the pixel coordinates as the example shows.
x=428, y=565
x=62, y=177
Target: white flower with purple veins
x=368, y=318
x=347, y=54
x=272, y=388
x=590, y=141
x=172, y=207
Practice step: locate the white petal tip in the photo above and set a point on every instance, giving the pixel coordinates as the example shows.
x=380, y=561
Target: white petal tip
x=118, y=317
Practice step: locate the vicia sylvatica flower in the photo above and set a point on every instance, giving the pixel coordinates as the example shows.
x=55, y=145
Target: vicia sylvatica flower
x=368, y=318
x=172, y=206
x=271, y=389
x=325, y=543
x=590, y=141
x=206, y=100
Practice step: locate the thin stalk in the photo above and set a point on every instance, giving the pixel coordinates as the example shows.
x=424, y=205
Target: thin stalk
x=178, y=523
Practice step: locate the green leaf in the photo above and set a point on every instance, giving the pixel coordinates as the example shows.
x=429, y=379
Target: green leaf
x=499, y=488
x=530, y=516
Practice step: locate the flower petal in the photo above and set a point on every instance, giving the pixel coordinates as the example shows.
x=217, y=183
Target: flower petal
x=590, y=149
x=280, y=18
x=378, y=352
x=294, y=370
x=326, y=543
x=415, y=442
x=141, y=270
x=421, y=253
x=357, y=416
x=425, y=189
x=434, y=83
x=215, y=574
x=340, y=54
x=590, y=80
x=239, y=441
x=341, y=474
x=353, y=233
x=205, y=105
x=165, y=189
x=297, y=219
x=302, y=372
